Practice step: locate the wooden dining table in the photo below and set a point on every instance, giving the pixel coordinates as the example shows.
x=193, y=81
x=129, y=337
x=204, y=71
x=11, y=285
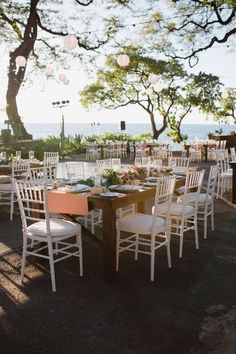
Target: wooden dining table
x=7, y=169
x=109, y=206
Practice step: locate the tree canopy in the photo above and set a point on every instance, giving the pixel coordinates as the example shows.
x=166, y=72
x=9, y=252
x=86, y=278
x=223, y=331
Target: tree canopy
x=185, y=28
x=31, y=27
x=167, y=102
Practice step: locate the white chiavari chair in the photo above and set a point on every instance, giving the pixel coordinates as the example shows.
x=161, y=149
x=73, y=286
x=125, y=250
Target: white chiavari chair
x=7, y=190
x=148, y=232
x=184, y=215
x=45, y=233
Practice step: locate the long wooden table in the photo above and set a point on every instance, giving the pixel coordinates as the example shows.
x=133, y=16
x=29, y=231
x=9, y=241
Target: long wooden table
x=109, y=207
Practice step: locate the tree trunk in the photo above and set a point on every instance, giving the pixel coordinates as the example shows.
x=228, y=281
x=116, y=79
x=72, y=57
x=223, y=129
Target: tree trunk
x=16, y=76
x=158, y=132
x=153, y=123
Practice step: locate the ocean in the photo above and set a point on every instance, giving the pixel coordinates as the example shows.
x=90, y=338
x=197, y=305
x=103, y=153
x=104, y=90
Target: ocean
x=193, y=131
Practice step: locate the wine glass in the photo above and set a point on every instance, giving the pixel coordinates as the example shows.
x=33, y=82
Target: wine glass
x=138, y=161
x=3, y=156
x=31, y=155
x=18, y=154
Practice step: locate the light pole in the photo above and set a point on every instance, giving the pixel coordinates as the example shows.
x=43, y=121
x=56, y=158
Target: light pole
x=61, y=104
x=93, y=125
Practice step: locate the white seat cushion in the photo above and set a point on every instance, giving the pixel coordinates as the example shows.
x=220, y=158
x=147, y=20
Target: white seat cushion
x=180, y=190
x=5, y=179
x=59, y=227
x=177, y=209
x=192, y=197
x=180, y=169
x=5, y=187
x=226, y=174
x=140, y=223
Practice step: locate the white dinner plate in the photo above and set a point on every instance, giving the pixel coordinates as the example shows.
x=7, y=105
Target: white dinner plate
x=125, y=187
x=110, y=194
x=150, y=184
x=75, y=189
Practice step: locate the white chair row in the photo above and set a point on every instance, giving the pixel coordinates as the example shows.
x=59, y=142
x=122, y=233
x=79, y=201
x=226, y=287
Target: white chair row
x=21, y=169
x=225, y=172
x=147, y=233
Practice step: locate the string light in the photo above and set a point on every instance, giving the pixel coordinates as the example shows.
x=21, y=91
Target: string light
x=20, y=60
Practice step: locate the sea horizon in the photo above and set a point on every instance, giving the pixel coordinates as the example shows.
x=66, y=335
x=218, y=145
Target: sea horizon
x=193, y=131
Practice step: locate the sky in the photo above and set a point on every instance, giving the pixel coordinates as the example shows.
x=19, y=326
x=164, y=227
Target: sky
x=35, y=101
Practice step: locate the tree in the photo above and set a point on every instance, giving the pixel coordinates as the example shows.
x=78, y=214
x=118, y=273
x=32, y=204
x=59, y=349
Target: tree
x=202, y=91
x=27, y=23
x=186, y=28
x=173, y=96
x=227, y=106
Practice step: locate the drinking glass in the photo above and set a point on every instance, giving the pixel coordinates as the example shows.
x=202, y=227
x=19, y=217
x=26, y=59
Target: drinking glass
x=3, y=156
x=138, y=161
x=31, y=155
x=18, y=154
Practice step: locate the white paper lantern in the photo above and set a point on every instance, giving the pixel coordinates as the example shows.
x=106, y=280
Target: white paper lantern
x=149, y=91
x=49, y=70
x=66, y=81
x=152, y=78
x=70, y=42
x=123, y=60
x=225, y=93
x=62, y=77
x=20, y=60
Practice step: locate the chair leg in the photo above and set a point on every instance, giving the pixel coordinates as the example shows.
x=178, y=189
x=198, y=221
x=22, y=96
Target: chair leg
x=212, y=220
x=136, y=248
x=79, y=245
x=168, y=252
x=205, y=226
x=51, y=263
x=152, y=258
x=12, y=206
x=181, y=230
x=92, y=221
x=23, y=259
x=196, y=233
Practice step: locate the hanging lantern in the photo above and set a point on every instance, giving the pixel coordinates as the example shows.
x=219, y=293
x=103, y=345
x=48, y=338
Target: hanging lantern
x=225, y=93
x=49, y=70
x=62, y=77
x=70, y=42
x=20, y=60
x=149, y=91
x=123, y=60
x=66, y=81
x=152, y=78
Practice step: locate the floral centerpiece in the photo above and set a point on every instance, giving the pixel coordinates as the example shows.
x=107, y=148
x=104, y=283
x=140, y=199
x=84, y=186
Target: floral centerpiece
x=160, y=171
x=133, y=175
x=110, y=176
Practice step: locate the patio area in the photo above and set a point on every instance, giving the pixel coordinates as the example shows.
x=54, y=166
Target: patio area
x=188, y=309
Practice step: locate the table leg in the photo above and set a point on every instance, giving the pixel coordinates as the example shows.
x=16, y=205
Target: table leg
x=206, y=153
x=102, y=153
x=150, y=151
x=234, y=184
x=109, y=245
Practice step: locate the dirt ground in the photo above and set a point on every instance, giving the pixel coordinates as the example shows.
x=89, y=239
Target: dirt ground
x=188, y=309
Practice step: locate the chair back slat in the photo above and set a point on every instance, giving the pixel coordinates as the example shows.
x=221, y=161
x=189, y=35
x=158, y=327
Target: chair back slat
x=33, y=204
